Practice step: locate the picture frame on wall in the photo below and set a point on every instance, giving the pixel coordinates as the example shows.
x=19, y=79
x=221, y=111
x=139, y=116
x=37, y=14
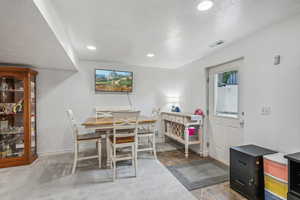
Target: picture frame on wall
x=113, y=81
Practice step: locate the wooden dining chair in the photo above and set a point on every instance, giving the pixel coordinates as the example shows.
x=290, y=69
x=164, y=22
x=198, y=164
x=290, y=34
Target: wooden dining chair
x=80, y=138
x=124, y=135
x=106, y=112
x=148, y=132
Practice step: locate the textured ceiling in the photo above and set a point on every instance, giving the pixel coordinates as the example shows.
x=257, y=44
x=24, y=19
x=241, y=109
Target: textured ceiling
x=26, y=38
x=124, y=31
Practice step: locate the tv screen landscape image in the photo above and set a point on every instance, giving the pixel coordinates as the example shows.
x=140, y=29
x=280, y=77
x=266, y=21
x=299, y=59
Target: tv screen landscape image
x=113, y=81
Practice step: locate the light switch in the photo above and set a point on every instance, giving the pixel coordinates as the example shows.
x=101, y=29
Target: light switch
x=266, y=110
x=277, y=60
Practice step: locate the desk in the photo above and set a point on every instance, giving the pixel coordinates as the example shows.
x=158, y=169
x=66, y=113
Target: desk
x=176, y=125
x=106, y=124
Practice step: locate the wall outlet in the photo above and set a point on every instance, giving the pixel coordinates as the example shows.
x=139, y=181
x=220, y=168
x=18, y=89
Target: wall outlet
x=266, y=110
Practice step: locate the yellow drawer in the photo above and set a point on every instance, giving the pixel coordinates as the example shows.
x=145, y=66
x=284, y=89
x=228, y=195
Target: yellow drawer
x=275, y=186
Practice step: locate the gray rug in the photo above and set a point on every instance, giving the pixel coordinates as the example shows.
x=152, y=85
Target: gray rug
x=200, y=173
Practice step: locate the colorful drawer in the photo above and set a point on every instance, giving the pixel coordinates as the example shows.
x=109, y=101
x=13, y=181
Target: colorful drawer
x=271, y=196
x=275, y=186
x=276, y=176
x=276, y=166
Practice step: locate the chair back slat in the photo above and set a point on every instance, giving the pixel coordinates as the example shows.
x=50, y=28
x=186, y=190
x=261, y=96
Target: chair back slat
x=106, y=111
x=155, y=112
x=73, y=123
x=125, y=123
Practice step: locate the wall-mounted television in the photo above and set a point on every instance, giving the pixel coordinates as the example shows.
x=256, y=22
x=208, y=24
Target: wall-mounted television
x=113, y=80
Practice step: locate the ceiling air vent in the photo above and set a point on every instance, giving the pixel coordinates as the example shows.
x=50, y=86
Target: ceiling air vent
x=217, y=43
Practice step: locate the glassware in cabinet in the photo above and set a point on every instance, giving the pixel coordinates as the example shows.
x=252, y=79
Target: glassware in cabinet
x=18, y=132
x=33, y=115
x=11, y=117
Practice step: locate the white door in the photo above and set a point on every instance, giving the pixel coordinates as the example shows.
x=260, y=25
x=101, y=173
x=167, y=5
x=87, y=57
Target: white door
x=225, y=115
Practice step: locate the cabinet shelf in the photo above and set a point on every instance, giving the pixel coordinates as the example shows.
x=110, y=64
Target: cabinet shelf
x=11, y=90
x=2, y=113
x=11, y=132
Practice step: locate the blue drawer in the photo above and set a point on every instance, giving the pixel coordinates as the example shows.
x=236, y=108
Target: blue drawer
x=270, y=196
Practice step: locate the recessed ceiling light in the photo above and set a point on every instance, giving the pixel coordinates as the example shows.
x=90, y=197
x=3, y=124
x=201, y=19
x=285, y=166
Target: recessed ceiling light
x=90, y=47
x=150, y=55
x=205, y=5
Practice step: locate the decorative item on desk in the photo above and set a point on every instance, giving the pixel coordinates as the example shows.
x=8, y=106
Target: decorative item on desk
x=199, y=111
x=175, y=109
x=173, y=103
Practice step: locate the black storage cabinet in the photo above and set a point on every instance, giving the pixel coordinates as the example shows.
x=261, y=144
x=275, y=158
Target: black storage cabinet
x=246, y=170
x=294, y=176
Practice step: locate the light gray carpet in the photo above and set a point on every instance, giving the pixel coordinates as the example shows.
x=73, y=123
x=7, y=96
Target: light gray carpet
x=200, y=173
x=49, y=179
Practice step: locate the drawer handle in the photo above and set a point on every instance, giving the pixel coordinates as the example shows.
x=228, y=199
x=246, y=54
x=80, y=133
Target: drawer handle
x=243, y=163
x=240, y=182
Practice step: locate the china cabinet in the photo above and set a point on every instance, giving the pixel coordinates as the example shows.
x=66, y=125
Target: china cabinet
x=17, y=116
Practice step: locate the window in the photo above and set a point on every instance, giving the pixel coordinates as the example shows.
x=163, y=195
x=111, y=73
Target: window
x=226, y=94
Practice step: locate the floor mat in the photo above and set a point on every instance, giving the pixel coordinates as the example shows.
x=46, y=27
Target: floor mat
x=200, y=173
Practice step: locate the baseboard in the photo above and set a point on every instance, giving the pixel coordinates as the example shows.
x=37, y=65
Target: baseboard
x=42, y=154
x=218, y=160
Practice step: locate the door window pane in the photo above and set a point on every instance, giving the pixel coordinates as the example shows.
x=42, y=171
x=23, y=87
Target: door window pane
x=226, y=94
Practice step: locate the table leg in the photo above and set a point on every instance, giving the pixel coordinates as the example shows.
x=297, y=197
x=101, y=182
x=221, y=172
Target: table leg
x=163, y=128
x=108, y=159
x=200, y=138
x=186, y=135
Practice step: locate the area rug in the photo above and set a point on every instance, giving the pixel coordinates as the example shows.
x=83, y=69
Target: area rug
x=200, y=173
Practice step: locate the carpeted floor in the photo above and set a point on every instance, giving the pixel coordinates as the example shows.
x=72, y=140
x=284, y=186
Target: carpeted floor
x=49, y=178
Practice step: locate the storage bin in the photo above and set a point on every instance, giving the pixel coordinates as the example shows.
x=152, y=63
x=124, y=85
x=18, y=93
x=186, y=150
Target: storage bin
x=192, y=131
x=275, y=186
x=270, y=196
x=275, y=165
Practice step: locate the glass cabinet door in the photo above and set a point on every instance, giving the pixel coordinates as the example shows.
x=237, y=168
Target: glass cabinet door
x=33, y=115
x=11, y=117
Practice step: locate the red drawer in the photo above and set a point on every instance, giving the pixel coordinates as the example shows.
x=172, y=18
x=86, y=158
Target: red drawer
x=276, y=169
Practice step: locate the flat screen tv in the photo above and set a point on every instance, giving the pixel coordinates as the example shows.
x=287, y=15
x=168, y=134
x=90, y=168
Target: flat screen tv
x=113, y=81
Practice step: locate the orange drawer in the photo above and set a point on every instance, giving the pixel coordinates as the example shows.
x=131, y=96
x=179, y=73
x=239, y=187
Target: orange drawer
x=276, y=169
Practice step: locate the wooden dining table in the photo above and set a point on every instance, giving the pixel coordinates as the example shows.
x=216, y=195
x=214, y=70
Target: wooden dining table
x=105, y=124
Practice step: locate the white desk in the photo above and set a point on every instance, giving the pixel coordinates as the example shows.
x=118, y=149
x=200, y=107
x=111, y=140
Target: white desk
x=175, y=126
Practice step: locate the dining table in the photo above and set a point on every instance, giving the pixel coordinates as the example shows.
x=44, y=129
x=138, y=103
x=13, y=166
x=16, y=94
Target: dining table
x=105, y=125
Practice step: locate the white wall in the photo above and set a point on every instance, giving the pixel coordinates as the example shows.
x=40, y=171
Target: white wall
x=60, y=90
x=50, y=15
x=263, y=84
